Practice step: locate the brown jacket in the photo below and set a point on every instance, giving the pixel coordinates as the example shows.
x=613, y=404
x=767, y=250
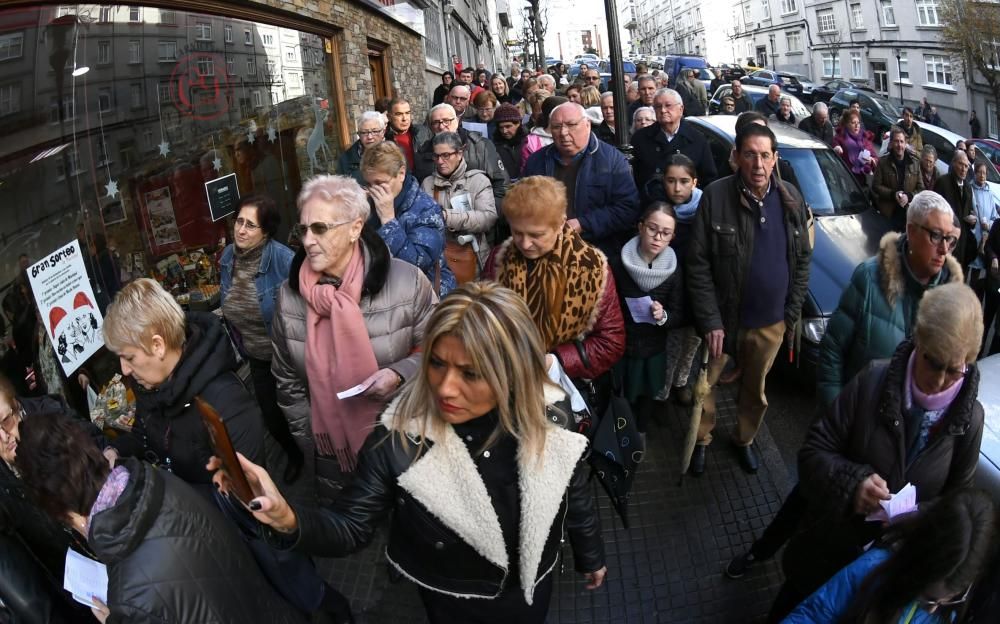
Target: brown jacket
x=395, y=317
x=884, y=182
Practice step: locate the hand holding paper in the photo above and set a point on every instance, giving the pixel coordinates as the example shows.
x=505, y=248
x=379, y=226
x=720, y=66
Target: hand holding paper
x=902, y=502
x=85, y=578
x=641, y=309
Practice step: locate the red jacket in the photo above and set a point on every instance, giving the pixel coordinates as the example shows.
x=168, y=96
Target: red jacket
x=604, y=344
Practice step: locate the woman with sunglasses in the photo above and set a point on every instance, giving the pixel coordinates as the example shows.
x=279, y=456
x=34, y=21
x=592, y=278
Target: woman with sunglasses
x=921, y=572
x=251, y=271
x=911, y=419
x=349, y=318
x=467, y=204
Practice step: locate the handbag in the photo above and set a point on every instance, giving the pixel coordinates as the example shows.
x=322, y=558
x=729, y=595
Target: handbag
x=462, y=261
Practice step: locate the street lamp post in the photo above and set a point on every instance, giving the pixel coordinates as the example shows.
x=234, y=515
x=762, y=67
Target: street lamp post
x=617, y=79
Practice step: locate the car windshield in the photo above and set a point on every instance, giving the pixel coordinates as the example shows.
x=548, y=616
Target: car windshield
x=887, y=107
x=839, y=194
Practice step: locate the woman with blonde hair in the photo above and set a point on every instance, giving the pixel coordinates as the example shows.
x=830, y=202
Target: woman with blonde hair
x=406, y=218
x=478, y=477
x=566, y=282
x=590, y=96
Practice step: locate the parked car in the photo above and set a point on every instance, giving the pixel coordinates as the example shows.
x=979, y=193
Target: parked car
x=878, y=114
x=605, y=68
x=765, y=78
x=847, y=229
x=989, y=147
x=731, y=71
x=807, y=86
x=673, y=64
x=755, y=93
x=988, y=471
x=825, y=91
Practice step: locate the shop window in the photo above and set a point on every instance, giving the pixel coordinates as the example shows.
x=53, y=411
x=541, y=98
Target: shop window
x=164, y=118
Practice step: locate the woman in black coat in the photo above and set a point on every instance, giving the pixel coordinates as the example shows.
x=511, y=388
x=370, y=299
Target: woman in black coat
x=913, y=419
x=647, y=268
x=170, y=554
x=481, y=489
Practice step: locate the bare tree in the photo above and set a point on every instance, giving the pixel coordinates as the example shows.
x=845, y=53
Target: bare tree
x=972, y=30
x=832, y=41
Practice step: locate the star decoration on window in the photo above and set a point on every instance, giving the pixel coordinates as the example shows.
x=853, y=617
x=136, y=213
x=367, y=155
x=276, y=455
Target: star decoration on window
x=112, y=188
x=251, y=135
x=164, y=148
x=272, y=134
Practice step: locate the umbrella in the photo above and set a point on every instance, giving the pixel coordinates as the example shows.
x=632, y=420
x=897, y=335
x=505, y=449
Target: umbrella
x=616, y=450
x=701, y=390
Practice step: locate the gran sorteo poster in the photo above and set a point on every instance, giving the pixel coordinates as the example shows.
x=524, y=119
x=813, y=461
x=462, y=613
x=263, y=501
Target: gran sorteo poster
x=66, y=305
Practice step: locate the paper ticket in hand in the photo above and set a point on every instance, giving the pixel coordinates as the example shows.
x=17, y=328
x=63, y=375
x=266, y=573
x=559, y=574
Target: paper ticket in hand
x=84, y=578
x=902, y=502
x=356, y=390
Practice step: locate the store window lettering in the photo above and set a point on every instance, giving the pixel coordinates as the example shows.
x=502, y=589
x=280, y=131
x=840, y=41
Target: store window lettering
x=82, y=160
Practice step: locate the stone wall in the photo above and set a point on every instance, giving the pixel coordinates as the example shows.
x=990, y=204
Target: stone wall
x=357, y=24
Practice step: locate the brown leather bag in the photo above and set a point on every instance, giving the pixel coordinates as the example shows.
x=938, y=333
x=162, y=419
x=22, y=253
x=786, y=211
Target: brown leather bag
x=462, y=261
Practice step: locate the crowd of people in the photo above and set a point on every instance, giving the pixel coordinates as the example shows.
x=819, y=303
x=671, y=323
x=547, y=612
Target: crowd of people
x=463, y=297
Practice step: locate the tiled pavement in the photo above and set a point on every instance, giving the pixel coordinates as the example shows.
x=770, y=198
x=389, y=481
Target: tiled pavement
x=666, y=568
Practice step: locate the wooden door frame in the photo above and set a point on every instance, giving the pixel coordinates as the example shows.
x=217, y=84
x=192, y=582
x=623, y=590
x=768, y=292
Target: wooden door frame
x=381, y=50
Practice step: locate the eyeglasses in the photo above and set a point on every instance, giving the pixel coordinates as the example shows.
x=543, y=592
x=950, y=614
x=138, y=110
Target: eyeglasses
x=442, y=122
x=445, y=155
x=942, y=368
x=937, y=238
x=657, y=233
x=246, y=224
x=318, y=228
x=569, y=125
x=368, y=133
x=666, y=106
x=9, y=420
x=752, y=156
x=486, y=109
x=931, y=605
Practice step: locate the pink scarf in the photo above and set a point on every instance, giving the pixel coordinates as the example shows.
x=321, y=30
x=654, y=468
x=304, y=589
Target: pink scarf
x=339, y=356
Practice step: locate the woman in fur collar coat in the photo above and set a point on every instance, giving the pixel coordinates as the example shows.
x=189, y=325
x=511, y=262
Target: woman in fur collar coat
x=481, y=490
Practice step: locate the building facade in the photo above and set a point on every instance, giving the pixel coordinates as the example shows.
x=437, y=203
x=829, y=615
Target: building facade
x=892, y=45
x=656, y=27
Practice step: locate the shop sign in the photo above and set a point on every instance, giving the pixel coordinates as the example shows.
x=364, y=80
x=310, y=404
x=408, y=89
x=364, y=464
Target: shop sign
x=67, y=306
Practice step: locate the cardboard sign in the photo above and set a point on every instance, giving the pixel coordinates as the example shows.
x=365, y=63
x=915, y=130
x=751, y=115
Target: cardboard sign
x=67, y=306
x=223, y=195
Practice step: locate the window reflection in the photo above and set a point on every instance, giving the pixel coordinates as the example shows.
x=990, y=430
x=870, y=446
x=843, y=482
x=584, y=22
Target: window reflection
x=172, y=99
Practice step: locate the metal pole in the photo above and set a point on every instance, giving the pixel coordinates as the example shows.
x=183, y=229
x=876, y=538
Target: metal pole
x=899, y=69
x=617, y=67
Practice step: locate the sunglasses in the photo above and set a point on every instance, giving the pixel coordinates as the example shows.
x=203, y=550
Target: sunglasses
x=318, y=228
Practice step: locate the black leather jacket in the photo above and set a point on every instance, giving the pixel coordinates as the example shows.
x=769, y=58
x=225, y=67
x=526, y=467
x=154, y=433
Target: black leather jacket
x=439, y=536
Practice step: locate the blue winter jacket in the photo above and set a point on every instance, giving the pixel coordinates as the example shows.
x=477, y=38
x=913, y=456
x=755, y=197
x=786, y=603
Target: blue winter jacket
x=416, y=235
x=607, y=201
x=827, y=604
x=274, y=263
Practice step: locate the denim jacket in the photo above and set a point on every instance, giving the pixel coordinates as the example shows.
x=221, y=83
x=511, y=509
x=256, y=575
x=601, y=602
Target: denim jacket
x=274, y=264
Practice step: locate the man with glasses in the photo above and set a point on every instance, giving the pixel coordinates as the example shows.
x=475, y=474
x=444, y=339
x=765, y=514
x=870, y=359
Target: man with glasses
x=406, y=134
x=653, y=146
x=955, y=188
x=602, y=201
x=747, y=275
x=371, y=130
x=592, y=77
x=480, y=153
x=459, y=97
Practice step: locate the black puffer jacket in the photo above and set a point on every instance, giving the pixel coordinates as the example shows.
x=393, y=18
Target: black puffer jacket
x=719, y=255
x=168, y=427
x=173, y=558
x=865, y=433
x=445, y=533
x=644, y=340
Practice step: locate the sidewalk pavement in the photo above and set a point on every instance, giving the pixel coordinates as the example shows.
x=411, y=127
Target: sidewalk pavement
x=668, y=567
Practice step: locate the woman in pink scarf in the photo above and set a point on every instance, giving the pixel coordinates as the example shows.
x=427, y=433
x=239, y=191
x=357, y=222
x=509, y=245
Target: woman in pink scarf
x=855, y=147
x=347, y=327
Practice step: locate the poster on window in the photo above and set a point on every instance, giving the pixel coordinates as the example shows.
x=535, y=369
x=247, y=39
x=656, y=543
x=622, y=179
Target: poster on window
x=223, y=195
x=162, y=221
x=66, y=305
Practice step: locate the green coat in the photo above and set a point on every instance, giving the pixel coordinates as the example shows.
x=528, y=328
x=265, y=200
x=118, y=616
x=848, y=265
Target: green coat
x=876, y=312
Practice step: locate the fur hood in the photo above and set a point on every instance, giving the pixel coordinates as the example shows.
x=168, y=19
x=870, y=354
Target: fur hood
x=447, y=468
x=892, y=276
